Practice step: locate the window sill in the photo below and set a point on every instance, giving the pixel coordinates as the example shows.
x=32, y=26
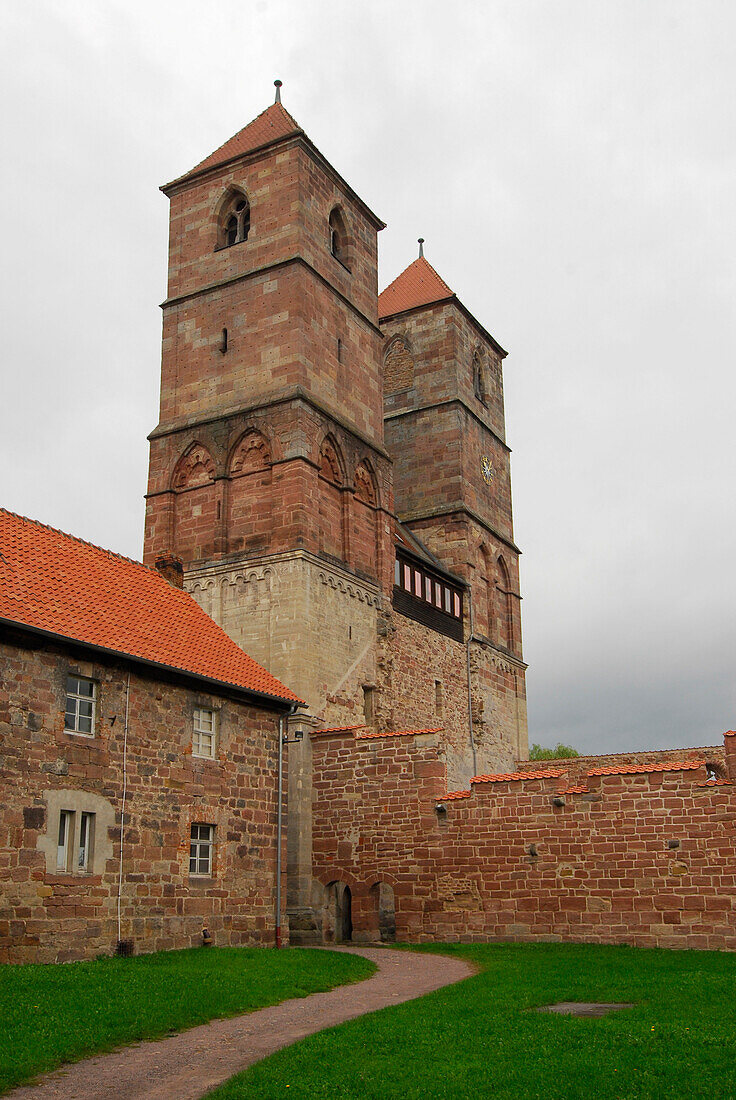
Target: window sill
x=225, y=247
x=68, y=878
x=78, y=733
x=342, y=265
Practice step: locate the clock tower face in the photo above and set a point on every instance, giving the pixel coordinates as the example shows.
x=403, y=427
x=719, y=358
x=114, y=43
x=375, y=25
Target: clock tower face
x=486, y=468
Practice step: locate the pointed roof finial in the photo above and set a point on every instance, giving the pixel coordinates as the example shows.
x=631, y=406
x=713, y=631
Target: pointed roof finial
x=421, y=246
x=277, y=85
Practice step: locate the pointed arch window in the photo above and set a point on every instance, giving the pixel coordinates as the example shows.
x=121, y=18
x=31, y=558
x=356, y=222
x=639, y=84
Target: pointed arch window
x=338, y=236
x=478, y=387
x=234, y=221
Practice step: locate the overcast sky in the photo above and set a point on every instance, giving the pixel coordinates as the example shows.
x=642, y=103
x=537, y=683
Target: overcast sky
x=571, y=165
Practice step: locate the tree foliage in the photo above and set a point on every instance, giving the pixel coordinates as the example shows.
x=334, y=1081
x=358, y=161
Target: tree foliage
x=559, y=752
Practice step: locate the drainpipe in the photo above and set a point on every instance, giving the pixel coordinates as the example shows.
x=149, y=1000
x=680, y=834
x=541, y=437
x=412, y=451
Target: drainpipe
x=471, y=638
x=122, y=806
x=282, y=736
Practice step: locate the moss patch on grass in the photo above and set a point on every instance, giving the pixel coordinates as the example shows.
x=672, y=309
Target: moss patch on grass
x=479, y=1037
x=55, y=1014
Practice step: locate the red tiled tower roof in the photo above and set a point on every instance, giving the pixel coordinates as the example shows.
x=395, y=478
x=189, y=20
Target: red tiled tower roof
x=271, y=125
x=418, y=285
x=63, y=586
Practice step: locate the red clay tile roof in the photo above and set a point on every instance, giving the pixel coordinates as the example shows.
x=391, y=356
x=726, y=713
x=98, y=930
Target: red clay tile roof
x=451, y=795
x=418, y=285
x=730, y=733
x=64, y=586
x=396, y=733
x=576, y=790
x=543, y=773
x=271, y=125
x=715, y=783
x=638, y=769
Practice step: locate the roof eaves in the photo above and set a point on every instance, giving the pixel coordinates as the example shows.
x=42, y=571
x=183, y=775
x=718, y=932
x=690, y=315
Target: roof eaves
x=198, y=173
x=500, y=351
x=123, y=655
x=431, y=561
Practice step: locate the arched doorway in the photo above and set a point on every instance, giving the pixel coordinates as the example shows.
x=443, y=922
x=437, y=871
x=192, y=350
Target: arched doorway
x=344, y=923
x=338, y=916
x=384, y=914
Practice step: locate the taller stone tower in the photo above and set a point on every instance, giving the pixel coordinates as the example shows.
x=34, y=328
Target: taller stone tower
x=268, y=474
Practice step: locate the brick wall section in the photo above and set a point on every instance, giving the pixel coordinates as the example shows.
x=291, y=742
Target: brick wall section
x=505, y=862
x=46, y=916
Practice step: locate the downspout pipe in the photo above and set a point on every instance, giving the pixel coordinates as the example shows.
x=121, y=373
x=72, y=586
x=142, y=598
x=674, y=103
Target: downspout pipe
x=471, y=638
x=279, y=828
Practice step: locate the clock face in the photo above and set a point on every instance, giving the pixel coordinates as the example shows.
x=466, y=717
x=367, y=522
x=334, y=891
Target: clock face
x=486, y=468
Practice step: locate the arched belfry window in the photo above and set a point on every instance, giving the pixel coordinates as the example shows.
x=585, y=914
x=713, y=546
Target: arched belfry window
x=234, y=220
x=338, y=237
x=478, y=387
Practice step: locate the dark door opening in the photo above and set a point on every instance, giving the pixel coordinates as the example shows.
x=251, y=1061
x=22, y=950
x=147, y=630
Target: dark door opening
x=344, y=922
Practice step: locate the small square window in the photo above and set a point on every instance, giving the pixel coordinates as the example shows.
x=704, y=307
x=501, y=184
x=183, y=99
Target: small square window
x=200, y=849
x=428, y=589
x=397, y=572
x=438, y=594
x=456, y=605
x=407, y=577
x=417, y=583
x=203, y=736
x=81, y=695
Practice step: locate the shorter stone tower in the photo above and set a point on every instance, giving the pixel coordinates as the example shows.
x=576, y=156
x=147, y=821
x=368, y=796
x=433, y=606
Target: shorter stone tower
x=444, y=429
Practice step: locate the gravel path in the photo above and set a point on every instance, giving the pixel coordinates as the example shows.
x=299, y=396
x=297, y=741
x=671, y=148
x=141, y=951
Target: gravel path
x=186, y=1066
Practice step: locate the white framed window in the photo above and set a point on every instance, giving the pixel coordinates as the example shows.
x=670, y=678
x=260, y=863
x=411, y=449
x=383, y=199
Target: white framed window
x=80, y=706
x=86, y=841
x=64, y=841
x=203, y=736
x=201, y=848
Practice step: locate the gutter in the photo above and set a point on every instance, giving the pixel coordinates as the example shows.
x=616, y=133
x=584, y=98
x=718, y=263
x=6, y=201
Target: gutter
x=66, y=639
x=283, y=734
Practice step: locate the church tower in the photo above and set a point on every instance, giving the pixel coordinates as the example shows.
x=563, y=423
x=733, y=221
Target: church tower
x=445, y=430
x=271, y=481
x=268, y=474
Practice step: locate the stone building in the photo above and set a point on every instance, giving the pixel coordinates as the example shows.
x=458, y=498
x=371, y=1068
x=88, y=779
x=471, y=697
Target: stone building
x=138, y=759
x=329, y=479
x=330, y=465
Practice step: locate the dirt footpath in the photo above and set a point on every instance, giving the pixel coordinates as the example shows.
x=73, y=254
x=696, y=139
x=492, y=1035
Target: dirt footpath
x=187, y=1065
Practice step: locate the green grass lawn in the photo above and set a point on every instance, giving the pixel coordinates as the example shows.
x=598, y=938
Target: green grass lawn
x=55, y=1014
x=478, y=1039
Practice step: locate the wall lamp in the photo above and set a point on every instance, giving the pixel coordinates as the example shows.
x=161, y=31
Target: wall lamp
x=298, y=736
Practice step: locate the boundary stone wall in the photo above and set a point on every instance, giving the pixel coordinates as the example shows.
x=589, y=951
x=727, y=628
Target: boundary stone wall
x=640, y=854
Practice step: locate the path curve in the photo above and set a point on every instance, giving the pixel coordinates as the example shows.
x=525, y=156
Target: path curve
x=187, y=1065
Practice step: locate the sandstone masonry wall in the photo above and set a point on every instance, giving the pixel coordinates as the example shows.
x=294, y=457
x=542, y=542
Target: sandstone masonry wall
x=47, y=916
x=644, y=858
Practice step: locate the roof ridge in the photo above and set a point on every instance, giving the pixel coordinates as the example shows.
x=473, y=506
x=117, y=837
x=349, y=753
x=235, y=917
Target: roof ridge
x=420, y=260
x=211, y=160
x=81, y=541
